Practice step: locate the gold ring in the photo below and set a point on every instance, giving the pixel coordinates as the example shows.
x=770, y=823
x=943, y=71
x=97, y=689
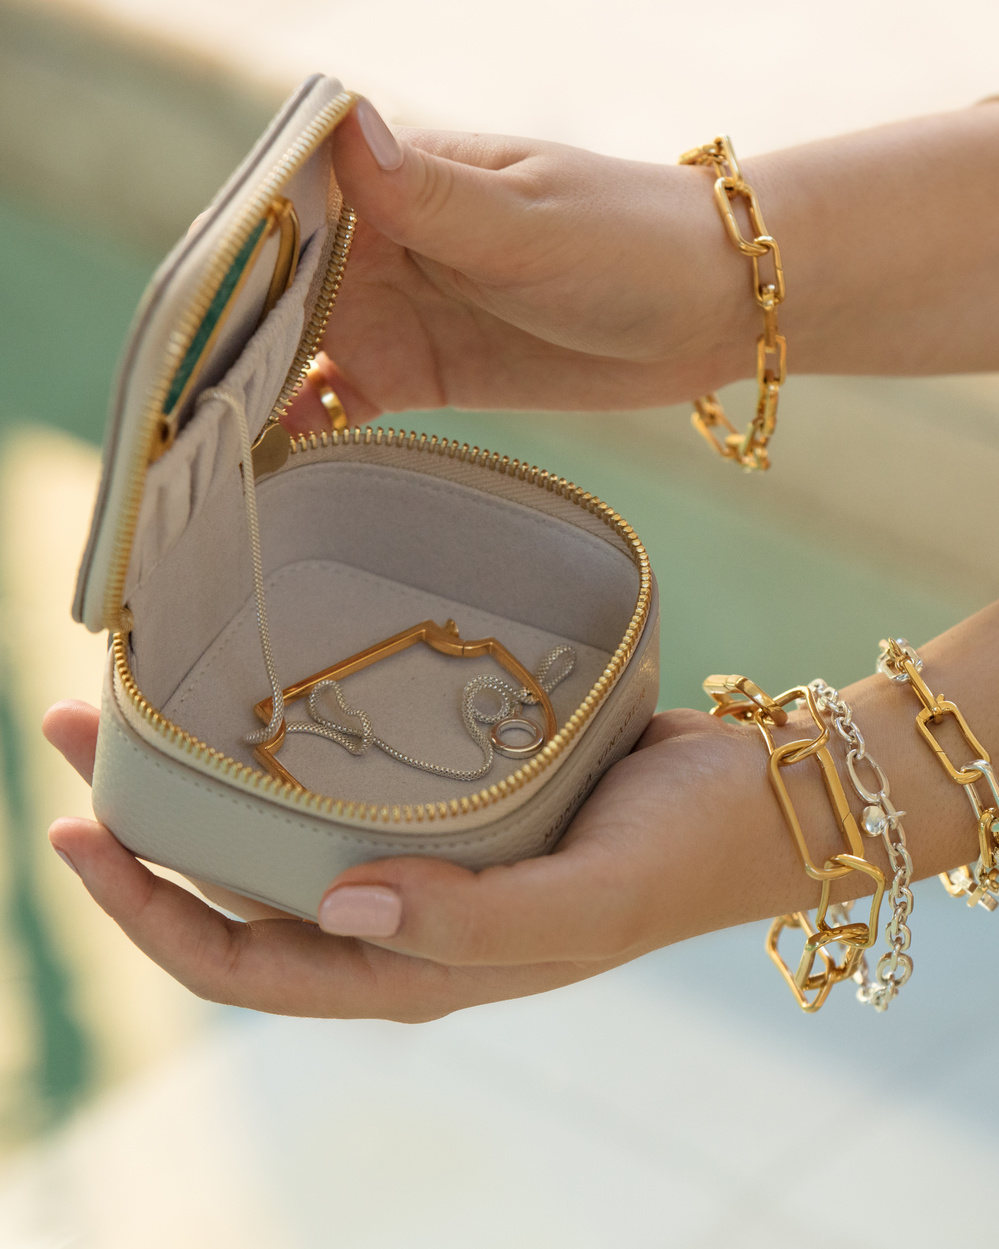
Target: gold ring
x=526, y=749
x=327, y=397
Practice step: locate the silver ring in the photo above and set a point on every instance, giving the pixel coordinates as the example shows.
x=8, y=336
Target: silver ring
x=517, y=752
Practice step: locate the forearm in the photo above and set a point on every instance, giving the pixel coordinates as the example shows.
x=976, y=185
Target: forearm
x=890, y=249
x=765, y=872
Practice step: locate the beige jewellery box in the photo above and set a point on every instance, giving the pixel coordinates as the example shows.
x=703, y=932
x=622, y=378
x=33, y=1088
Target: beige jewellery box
x=338, y=647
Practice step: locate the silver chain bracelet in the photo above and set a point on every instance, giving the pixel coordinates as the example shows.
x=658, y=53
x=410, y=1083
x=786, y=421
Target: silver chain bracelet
x=879, y=819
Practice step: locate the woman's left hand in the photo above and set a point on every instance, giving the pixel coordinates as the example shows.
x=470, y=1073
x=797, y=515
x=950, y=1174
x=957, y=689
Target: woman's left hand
x=428, y=937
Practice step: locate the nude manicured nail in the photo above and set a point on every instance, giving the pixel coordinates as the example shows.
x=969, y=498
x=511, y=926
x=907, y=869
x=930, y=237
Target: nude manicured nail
x=361, y=911
x=66, y=859
x=382, y=143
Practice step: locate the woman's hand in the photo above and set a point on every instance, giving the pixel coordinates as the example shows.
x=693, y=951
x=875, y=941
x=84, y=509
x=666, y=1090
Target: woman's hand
x=492, y=272
x=647, y=861
x=682, y=837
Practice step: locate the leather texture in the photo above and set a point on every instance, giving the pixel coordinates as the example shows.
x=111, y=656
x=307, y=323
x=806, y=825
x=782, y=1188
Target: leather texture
x=150, y=346
x=264, y=847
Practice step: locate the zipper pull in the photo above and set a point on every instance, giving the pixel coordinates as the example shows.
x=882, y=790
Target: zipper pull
x=270, y=451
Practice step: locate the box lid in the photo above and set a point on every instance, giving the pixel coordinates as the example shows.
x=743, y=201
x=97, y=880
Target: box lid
x=200, y=309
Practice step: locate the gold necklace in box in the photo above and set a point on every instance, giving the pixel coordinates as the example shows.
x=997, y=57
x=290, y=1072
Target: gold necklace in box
x=488, y=729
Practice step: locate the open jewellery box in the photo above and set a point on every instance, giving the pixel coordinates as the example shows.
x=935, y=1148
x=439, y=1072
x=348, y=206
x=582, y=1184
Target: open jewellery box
x=232, y=576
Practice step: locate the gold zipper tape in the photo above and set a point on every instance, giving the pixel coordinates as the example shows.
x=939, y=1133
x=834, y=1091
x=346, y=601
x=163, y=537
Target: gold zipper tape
x=315, y=133
x=406, y=813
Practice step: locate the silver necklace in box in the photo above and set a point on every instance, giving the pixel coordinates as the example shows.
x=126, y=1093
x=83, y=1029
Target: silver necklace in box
x=490, y=729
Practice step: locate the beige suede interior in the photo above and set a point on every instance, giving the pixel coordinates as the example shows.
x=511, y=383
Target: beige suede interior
x=354, y=553
x=358, y=543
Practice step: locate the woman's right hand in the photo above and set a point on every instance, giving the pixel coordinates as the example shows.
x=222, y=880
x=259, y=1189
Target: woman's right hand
x=490, y=272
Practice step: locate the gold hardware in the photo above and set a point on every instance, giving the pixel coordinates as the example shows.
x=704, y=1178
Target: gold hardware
x=767, y=714
x=723, y=690
x=985, y=884
x=899, y=662
x=748, y=449
x=804, y=981
x=280, y=218
x=270, y=450
x=445, y=639
x=313, y=135
x=526, y=749
x=942, y=707
x=959, y=882
x=818, y=937
x=273, y=443
x=757, y=707
x=789, y=753
x=283, y=222
x=863, y=936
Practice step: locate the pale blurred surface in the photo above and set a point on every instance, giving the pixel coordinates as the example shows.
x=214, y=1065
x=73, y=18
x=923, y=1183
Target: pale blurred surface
x=681, y=1101
x=639, y=78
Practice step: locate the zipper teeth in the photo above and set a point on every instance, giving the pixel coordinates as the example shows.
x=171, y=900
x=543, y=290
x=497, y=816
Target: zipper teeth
x=309, y=344
x=296, y=155
x=406, y=813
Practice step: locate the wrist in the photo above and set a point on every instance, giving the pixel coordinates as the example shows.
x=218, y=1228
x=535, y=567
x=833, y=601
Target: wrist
x=704, y=335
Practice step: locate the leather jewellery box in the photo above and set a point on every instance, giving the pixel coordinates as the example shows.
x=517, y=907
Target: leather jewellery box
x=340, y=646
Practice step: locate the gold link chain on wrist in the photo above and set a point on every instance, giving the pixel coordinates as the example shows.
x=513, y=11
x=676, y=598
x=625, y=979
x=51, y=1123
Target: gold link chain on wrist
x=740, y=698
x=979, y=883
x=749, y=450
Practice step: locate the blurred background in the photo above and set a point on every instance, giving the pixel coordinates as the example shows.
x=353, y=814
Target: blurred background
x=682, y=1101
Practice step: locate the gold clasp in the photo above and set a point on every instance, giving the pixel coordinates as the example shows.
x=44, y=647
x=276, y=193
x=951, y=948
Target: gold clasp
x=804, y=980
x=754, y=701
x=939, y=708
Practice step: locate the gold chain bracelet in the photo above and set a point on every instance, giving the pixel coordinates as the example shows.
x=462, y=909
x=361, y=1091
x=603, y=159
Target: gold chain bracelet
x=749, y=450
x=979, y=884
x=742, y=699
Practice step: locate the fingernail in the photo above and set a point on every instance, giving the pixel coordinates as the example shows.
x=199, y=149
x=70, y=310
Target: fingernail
x=382, y=143
x=361, y=911
x=65, y=858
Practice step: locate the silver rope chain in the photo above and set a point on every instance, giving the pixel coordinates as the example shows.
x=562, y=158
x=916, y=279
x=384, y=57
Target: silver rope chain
x=359, y=741
x=511, y=702
x=879, y=819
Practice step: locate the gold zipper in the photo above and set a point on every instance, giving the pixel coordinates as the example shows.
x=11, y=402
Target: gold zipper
x=407, y=813
x=270, y=450
x=321, y=126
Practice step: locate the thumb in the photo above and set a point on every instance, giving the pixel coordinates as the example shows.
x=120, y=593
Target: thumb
x=574, y=905
x=449, y=197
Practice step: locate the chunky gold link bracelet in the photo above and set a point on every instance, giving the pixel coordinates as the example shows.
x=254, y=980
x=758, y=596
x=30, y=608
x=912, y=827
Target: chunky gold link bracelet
x=980, y=883
x=742, y=699
x=749, y=449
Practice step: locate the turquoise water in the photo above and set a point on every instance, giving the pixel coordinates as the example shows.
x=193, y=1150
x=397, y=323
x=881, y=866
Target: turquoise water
x=65, y=302
x=66, y=299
